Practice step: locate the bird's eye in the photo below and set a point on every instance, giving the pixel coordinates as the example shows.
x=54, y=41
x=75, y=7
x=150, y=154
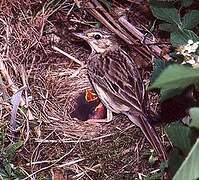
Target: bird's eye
x=97, y=36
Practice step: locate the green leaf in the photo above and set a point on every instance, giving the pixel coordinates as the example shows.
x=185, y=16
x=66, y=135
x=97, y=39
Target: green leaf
x=178, y=38
x=179, y=136
x=194, y=113
x=176, y=76
x=159, y=66
x=168, y=27
x=190, y=20
x=194, y=135
x=169, y=15
x=169, y=93
x=186, y=3
x=174, y=162
x=11, y=150
x=189, y=168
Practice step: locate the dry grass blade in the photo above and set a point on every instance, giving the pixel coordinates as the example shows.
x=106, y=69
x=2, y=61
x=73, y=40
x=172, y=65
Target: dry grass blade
x=53, y=164
x=68, y=55
x=6, y=76
x=15, y=100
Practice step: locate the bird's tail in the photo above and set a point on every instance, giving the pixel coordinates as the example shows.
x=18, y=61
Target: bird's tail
x=150, y=134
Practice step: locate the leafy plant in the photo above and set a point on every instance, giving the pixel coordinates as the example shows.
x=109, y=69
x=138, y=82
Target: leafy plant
x=179, y=134
x=189, y=168
x=7, y=154
x=174, y=79
x=184, y=157
x=179, y=27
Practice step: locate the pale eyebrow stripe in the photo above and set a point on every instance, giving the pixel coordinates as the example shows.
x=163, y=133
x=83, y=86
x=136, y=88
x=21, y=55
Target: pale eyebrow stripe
x=92, y=33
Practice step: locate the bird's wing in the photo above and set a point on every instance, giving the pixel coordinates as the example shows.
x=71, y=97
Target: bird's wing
x=118, y=75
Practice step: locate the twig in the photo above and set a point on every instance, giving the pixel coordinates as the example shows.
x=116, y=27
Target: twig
x=70, y=163
x=111, y=19
x=100, y=13
x=58, y=160
x=52, y=161
x=25, y=172
x=91, y=9
x=35, y=150
x=82, y=22
x=121, y=33
x=71, y=141
x=84, y=171
x=67, y=55
x=73, y=5
x=135, y=32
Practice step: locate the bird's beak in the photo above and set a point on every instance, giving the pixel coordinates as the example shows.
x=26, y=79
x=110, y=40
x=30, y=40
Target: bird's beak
x=80, y=35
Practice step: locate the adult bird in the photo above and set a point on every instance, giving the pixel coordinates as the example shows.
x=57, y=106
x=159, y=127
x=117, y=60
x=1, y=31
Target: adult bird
x=117, y=81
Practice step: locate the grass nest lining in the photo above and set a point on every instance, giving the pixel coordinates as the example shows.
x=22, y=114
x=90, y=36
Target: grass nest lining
x=53, y=81
x=28, y=31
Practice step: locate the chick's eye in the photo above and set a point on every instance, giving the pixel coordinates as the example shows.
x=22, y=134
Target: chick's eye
x=97, y=36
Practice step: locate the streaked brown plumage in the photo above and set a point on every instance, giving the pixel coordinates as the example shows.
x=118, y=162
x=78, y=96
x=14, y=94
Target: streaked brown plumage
x=117, y=81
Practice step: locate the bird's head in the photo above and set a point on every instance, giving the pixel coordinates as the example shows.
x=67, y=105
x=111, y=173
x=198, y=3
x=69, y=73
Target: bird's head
x=100, y=40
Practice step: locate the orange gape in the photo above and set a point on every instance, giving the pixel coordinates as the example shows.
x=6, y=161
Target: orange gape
x=100, y=109
x=91, y=96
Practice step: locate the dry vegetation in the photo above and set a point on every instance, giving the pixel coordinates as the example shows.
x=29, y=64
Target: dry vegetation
x=54, y=143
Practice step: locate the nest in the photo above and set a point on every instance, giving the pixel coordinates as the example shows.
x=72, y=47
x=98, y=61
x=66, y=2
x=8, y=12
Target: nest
x=59, y=99
x=53, y=81
x=49, y=82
